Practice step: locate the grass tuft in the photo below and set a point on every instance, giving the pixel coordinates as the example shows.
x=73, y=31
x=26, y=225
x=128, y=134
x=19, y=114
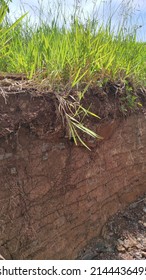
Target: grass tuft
x=73, y=52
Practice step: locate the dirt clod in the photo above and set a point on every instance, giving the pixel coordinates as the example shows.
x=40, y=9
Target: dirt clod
x=124, y=234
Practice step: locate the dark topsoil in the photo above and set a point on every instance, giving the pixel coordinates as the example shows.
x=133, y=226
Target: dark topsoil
x=35, y=103
x=123, y=237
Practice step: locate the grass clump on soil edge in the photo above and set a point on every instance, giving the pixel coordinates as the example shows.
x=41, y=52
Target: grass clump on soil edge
x=72, y=54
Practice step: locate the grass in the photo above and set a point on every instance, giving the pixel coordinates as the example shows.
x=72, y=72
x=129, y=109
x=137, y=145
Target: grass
x=75, y=55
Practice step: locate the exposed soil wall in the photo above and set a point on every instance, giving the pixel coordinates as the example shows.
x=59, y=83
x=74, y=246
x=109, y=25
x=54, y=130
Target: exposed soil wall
x=55, y=197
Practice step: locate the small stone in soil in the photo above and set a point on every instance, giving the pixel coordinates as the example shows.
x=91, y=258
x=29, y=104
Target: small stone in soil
x=143, y=254
x=120, y=248
x=137, y=255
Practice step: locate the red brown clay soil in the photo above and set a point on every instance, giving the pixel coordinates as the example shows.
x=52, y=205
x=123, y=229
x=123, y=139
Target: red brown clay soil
x=56, y=197
x=123, y=237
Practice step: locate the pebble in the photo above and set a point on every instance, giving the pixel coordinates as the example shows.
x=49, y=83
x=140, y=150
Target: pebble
x=121, y=248
x=143, y=254
x=130, y=242
x=138, y=246
x=120, y=241
x=137, y=256
x=144, y=242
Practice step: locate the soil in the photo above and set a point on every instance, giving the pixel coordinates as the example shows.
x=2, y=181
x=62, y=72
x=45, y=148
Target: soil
x=123, y=237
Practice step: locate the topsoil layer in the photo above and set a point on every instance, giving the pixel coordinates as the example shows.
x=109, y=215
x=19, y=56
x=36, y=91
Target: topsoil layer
x=111, y=101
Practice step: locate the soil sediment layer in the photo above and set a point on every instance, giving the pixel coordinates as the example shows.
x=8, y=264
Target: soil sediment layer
x=55, y=196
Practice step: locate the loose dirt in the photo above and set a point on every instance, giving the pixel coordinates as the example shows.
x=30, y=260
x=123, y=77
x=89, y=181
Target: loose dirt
x=123, y=237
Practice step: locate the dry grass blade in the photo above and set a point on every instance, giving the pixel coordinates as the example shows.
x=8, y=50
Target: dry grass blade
x=70, y=113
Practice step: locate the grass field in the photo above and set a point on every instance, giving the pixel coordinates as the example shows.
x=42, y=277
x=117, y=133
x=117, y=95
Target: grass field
x=77, y=54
